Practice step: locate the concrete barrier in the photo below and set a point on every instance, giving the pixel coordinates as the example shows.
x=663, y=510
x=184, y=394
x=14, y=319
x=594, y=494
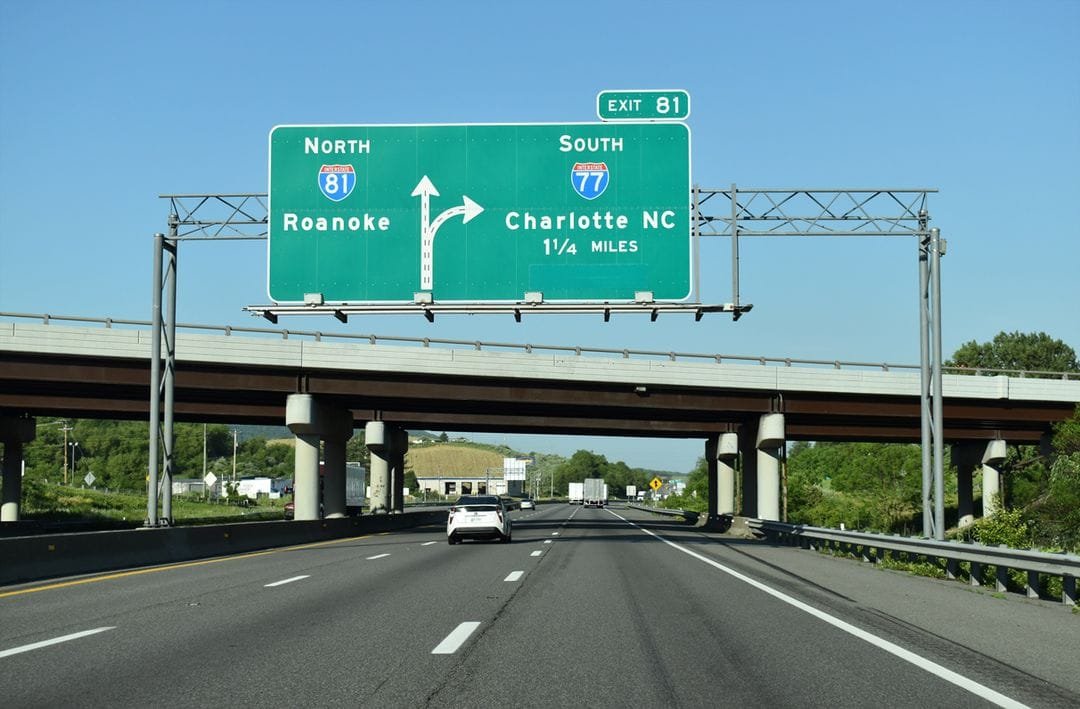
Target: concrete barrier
x=32, y=558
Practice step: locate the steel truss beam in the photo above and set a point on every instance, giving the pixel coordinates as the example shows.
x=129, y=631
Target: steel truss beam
x=735, y=213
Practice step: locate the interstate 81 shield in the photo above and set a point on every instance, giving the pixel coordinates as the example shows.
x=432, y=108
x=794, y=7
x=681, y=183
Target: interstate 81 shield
x=336, y=182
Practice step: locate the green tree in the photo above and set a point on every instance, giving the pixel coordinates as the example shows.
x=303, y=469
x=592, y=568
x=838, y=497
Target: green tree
x=1016, y=350
x=1041, y=490
x=866, y=485
x=1067, y=434
x=357, y=451
x=583, y=464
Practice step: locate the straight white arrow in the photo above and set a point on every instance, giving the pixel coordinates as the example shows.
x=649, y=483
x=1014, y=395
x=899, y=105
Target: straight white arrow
x=468, y=210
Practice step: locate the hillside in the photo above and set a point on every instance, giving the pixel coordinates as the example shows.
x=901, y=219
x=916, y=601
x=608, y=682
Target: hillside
x=452, y=459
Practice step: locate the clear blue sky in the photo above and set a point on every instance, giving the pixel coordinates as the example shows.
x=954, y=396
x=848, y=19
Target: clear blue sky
x=105, y=105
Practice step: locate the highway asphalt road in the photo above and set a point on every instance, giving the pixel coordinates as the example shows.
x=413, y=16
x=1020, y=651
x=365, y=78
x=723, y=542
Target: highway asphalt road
x=586, y=607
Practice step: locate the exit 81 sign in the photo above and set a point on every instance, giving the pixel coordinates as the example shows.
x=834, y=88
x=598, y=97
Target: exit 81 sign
x=643, y=105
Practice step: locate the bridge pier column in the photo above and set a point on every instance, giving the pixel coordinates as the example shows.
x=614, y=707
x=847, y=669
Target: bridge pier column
x=336, y=434
x=400, y=439
x=770, y=438
x=14, y=432
x=712, y=444
x=748, y=433
x=311, y=420
x=992, y=458
x=306, y=478
x=964, y=457
x=720, y=452
x=377, y=439
x=726, y=453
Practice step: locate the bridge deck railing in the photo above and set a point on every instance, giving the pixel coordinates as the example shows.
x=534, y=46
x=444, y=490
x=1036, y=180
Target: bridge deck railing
x=479, y=345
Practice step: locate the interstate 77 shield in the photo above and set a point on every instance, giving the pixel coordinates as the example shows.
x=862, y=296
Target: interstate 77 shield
x=591, y=212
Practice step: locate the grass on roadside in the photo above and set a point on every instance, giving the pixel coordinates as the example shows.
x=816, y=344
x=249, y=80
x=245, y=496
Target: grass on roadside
x=59, y=503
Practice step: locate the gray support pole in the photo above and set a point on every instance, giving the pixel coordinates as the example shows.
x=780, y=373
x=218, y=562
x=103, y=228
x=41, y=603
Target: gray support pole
x=735, y=250
x=155, y=386
x=939, y=417
x=14, y=432
x=712, y=444
x=169, y=439
x=748, y=433
x=306, y=496
x=333, y=477
x=727, y=453
x=696, y=233
x=377, y=438
x=924, y=377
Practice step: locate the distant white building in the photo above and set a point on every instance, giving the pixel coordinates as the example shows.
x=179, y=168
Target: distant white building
x=452, y=486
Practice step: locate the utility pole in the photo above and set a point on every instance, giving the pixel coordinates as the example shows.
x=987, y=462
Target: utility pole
x=234, y=444
x=65, y=429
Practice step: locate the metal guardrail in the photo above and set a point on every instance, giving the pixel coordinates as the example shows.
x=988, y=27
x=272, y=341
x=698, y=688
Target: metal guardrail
x=665, y=511
x=479, y=345
x=873, y=548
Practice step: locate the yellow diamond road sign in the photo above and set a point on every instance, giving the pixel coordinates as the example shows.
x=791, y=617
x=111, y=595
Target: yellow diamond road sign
x=656, y=483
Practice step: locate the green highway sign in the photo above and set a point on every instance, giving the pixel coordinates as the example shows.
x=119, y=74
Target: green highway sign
x=643, y=105
x=587, y=212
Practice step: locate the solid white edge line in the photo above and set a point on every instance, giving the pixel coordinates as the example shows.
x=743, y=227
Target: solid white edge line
x=456, y=638
x=933, y=668
x=377, y=556
x=282, y=583
x=514, y=576
x=54, y=641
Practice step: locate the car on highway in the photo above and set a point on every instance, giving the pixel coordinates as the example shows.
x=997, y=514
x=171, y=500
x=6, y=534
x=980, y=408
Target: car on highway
x=527, y=503
x=478, y=517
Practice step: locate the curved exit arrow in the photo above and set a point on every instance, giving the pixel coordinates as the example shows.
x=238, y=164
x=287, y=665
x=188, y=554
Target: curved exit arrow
x=468, y=209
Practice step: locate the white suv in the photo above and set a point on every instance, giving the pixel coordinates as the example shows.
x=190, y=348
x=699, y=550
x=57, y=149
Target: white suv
x=478, y=517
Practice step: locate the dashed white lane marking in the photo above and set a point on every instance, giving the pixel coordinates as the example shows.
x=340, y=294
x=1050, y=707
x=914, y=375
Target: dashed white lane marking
x=377, y=556
x=536, y=553
x=554, y=534
x=456, y=638
x=54, y=641
x=427, y=544
x=547, y=541
x=933, y=668
x=514, y=576
x=282, y=583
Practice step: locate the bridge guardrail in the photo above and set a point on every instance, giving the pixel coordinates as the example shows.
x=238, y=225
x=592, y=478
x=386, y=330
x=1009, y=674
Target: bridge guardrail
x=479, y=345
x=873, y=547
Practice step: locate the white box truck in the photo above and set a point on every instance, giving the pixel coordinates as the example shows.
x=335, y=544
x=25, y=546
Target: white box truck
x=595, y=492
x=355, y=487
x=577, y=493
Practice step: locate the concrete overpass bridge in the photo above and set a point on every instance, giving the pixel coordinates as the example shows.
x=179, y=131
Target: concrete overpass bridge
x=324, y=386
